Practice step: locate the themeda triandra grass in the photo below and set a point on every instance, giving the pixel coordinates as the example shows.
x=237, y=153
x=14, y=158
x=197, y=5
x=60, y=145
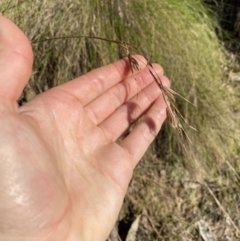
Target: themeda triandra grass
x=173, y=114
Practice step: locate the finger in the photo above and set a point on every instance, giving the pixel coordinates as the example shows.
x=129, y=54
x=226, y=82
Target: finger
x=91, y=85
x=137, y=142
x=15, y=60
x=116, y=124
x=103, y=106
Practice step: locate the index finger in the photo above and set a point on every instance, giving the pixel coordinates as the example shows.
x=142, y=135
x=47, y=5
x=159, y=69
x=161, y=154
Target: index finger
x=91, y=85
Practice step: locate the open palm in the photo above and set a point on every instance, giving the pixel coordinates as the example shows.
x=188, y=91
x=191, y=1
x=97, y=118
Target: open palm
x=63, y=177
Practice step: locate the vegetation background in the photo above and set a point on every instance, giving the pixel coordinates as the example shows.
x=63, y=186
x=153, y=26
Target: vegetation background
x=176, y=193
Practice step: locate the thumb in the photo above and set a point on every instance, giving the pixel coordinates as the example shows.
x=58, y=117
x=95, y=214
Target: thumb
x=16, y=60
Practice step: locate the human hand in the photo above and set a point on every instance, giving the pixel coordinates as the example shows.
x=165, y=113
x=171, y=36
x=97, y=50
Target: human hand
x=62, y=175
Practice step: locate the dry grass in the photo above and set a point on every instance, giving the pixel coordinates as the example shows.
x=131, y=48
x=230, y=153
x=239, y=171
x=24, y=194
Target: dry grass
x=180, y=35
x=169, y=95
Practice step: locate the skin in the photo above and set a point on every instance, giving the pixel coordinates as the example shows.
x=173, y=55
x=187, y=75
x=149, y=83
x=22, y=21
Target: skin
x=63, y=177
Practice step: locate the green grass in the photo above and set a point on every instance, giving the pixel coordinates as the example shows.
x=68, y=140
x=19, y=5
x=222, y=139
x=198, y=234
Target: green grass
x=180, y=35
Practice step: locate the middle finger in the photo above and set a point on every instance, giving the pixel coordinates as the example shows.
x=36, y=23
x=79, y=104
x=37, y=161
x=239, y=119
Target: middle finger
x=103, y=106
